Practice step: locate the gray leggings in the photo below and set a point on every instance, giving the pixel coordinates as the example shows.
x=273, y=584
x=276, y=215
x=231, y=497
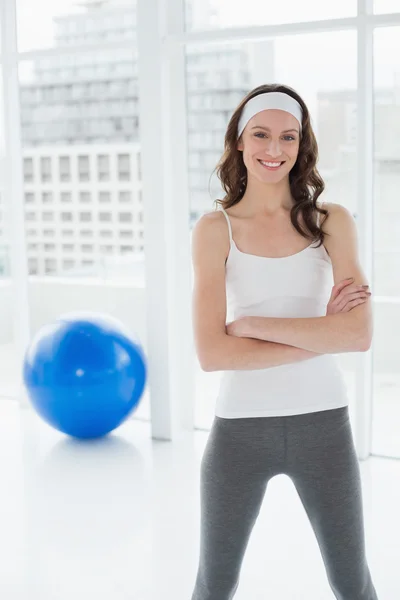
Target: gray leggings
x=316, y=450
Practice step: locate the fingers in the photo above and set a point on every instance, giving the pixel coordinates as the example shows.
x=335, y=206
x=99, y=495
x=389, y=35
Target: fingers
x=353, y=304
x=341, y=302
x=340, y=286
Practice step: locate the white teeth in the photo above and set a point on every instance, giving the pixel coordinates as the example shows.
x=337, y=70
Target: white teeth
x=271, y=164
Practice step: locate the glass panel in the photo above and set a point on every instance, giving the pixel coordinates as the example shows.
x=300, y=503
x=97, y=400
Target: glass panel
x=10, y=369
x=214, y=14
x=386, y=407
x=217, y=79
x=81, y=150
x=45, y=24
x=386, y=6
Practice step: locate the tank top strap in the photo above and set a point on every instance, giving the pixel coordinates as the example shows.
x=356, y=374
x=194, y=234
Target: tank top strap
x=229, y=224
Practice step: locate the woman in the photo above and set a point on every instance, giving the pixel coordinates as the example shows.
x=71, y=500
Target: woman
x=282, y=405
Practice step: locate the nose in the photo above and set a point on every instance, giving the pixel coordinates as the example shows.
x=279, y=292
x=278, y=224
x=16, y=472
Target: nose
x=273, y=148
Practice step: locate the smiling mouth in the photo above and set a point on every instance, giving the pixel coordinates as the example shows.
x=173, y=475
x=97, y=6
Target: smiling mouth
x=271, y=165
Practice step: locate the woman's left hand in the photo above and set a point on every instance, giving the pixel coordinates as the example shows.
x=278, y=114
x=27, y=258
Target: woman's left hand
x=238, y=328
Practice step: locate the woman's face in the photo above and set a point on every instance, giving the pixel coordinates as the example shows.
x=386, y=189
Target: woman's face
x=270, y=145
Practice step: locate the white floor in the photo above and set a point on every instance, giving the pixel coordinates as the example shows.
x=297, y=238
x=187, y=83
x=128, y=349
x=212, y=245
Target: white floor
x=119, y=518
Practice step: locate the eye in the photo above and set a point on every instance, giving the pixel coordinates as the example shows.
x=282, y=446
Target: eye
x=290, y=138
x=259, y=133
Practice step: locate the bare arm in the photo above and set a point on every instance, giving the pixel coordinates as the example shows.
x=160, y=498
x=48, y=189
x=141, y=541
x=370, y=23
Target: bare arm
x=330, y=334
x=216, y=350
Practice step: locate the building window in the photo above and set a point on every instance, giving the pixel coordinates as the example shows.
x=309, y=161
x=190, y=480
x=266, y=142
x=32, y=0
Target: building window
x=67, y=233
x=126, y=249
x=104, y=197
x=68, y=247
x=87, y=248
x=68, y=264
x=28, y=170
x=85, y=197
x=48, y=216
x=105, y=217
x=65, y=168
x=32, y=266
x=125, y=197
x=33, y=246
x=47, y=197
x=125, y=217
x=126, y=234
x=50, y=265
x=45, y=168
x=124, y=167
x=86, y=233
x=32, y=232
x=139, y=167
x=103, y=167
x=29, y=198
x=140, y=217
x=83, y=168
x=66, y=216
x=105, y=233
x=50, y=247
x=31, y=216
x=106, y=249
x=66, y=197
x=85, y=217
x=49, y=233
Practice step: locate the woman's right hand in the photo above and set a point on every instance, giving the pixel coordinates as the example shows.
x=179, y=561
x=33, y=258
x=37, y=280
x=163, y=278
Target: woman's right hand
x=346, y=296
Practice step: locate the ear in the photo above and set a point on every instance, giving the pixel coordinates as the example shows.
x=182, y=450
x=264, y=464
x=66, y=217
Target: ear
x=240, y=145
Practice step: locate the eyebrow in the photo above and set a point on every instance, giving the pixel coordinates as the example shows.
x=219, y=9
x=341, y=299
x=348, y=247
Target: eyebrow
x=268, y=129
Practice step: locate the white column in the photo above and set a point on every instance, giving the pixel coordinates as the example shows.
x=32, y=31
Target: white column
x=13, y=184
x=166, y=216
x=365, y=212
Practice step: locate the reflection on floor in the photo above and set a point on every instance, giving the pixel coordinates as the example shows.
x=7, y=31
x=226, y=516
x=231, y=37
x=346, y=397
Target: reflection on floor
x=119, y=518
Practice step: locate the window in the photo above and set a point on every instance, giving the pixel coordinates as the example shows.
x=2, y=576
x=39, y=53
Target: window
x=67, y=233
x=103, y=167
x=65, y=168
x=68, y=247
x=47, y=197
x=87, y=248
x=125, y=197
x=125, y=217
x=28, y=170
x=48, y=216
x=32, y=266
x=29, y=198
x=85, y=217
x=124, y=167
x=49, y=247
x=104, y=197
x=85, y=197
x=49, y=233
x=105, y=217
x=31, y=216
x=126, y=234
x=66, y=216
x=66, y=197
x=106, y=233
x=45, y=169
x=50, y=265
x=87, y=233
x=83, y=168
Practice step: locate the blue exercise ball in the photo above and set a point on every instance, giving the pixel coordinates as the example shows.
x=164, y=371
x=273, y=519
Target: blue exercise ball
x=84, y=374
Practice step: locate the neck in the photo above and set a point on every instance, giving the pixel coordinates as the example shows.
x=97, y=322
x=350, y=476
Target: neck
x=267, y=198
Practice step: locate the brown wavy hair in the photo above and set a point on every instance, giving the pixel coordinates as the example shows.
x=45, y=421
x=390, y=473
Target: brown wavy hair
x=306, y=184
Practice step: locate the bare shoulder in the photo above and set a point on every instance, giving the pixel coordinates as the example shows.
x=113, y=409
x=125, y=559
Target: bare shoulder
x=211, y=233
x=338, y=215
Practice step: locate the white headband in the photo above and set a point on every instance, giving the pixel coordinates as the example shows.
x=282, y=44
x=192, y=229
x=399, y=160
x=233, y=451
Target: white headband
x=268, y=101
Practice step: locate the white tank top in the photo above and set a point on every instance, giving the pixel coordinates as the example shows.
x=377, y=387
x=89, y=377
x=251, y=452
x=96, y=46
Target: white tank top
x=299, y=285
